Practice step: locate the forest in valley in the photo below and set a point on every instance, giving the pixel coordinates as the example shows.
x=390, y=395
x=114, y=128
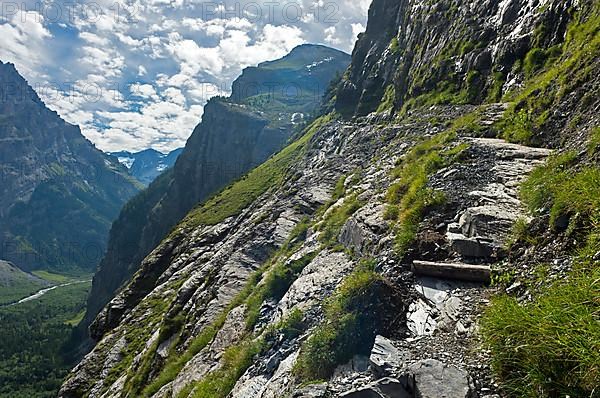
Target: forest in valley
x=33, y=354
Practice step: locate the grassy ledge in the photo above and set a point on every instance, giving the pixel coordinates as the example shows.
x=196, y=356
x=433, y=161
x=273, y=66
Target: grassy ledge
x=550, y=347
x=409, y=197
x=347, y=325
x=241, y=194
x=552, y=74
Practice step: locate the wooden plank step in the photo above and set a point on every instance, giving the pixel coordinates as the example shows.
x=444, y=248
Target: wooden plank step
x=459, y=271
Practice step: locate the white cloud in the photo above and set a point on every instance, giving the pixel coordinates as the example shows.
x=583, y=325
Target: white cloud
x=140, y=77
x=331, y=37
x=23, y=41
x=143, y=91
x=357, y=28
x=194, y=58
x=94, y=39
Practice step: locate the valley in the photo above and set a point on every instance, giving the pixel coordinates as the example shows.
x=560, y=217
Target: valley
x=419, y=219
x=43, y=292
x=16, y=284
x=35, y=332
x=43, y=313
x=145, y=166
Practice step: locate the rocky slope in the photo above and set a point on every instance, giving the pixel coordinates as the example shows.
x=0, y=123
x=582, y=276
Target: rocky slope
x=59, y=193
x=357, y=261
x=235, y=135
x=145, y=166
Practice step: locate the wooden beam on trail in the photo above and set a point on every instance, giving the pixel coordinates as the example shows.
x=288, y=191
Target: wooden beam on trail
x=459, y=271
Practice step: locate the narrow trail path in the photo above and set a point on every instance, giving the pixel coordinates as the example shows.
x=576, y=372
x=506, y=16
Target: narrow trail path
x=443, y=322
x=453, y=284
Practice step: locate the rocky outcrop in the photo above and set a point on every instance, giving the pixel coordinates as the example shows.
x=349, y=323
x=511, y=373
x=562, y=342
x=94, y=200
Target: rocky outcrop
x=445, y=48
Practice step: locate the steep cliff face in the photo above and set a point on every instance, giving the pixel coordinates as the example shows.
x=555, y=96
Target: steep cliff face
x=235, y=135
x=357, y=261
x=59, y=193
x=446, y=51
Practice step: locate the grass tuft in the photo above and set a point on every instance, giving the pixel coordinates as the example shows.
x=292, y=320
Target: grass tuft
x=349, y=327
x=387, y=102
x=236, y=360
x=563, y=190
x=336, y=218
x=276, y=283
x=594, y=141
x=517, y=126
x=410, y=194
x=550, y=347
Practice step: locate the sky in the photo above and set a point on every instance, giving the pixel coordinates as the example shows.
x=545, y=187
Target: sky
x=135, y=74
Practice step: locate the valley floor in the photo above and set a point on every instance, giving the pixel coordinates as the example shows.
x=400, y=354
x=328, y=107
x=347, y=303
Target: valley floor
x=34, y=332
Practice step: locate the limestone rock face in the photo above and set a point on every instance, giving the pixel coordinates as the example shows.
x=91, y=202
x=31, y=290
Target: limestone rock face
x=412, y=46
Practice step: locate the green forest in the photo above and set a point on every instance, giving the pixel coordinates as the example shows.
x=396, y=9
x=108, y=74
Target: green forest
x=33, y=334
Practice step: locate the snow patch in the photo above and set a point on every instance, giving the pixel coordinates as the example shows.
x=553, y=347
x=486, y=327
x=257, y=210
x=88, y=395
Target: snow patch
x=127, y=162
x=317, y=63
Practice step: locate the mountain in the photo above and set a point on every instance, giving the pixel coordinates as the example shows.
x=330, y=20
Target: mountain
x=60, y=194
x=148, y=164
x=267, y=106
x=434, y=233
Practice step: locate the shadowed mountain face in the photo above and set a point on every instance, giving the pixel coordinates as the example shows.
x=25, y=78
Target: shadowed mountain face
x=268, y=104
x=145, y=166
x=59, y=193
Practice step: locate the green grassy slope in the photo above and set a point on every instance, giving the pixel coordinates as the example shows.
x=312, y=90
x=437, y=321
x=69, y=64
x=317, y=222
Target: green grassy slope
x=16, y=284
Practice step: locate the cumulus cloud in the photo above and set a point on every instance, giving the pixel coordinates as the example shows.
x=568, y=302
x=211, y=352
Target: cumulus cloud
x=23, y=41
x=136, y=74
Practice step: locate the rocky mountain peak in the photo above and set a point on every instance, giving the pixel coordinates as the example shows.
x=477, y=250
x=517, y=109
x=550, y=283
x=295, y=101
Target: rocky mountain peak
x=299, y=79
x=145, y=166
x=15, y=88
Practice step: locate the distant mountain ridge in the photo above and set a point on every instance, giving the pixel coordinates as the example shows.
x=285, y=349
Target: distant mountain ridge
x=145, y=166
x=59, y=193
